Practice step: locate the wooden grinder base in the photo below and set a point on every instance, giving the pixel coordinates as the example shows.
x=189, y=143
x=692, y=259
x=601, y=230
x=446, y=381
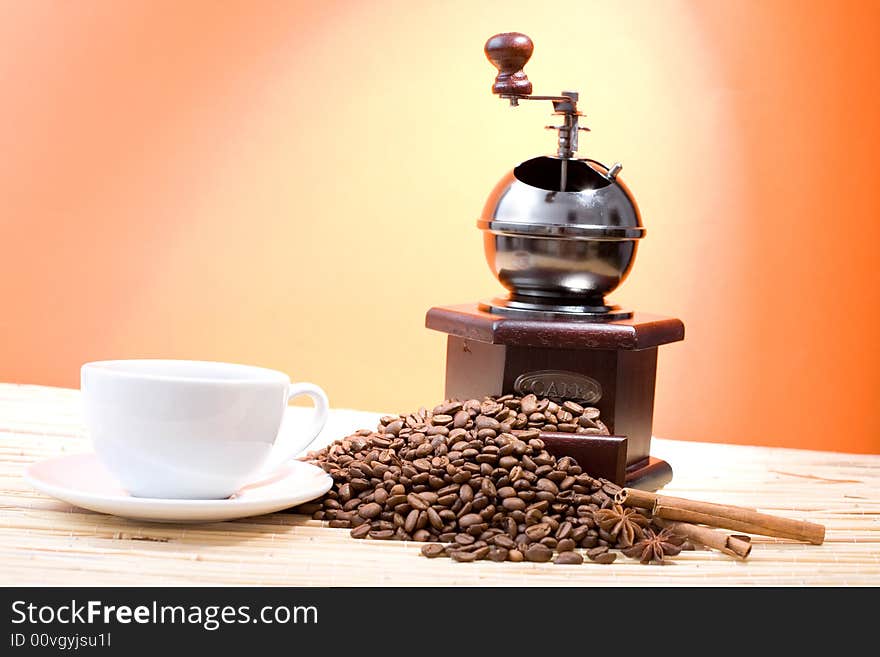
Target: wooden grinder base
x=610, y=365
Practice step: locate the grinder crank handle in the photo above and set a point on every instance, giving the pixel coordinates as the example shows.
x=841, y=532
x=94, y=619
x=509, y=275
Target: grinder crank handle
x=509, y=52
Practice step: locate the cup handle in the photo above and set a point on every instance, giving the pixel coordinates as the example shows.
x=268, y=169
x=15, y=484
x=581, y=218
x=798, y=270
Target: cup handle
x=284, y=453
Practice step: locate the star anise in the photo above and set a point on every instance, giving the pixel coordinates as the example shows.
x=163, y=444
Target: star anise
x=625, y=525
x=655, y=546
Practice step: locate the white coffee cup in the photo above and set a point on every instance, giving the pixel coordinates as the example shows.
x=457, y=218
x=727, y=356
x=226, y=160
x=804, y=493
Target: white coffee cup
x=191, y=429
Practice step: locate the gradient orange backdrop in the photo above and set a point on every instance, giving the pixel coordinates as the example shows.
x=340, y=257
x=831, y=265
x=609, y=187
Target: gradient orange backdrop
x=293, y=184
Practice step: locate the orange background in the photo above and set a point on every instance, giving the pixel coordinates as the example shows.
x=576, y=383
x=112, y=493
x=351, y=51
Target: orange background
x=293, y=184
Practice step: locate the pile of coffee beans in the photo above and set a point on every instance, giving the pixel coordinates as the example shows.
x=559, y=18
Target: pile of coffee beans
x=473, y=480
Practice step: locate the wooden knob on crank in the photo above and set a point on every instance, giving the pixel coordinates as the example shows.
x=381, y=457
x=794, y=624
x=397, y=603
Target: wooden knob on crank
x=509, y=53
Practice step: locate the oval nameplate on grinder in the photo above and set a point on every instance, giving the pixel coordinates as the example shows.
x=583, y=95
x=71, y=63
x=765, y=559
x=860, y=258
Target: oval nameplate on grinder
x=559, y=384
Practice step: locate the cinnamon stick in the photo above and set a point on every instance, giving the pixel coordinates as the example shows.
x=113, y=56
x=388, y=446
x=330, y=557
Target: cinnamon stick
x=646, y=500
x=735, y=546
x=735, y=518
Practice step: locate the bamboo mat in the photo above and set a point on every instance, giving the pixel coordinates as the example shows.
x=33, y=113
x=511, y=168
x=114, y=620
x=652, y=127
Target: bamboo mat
x=47, y=542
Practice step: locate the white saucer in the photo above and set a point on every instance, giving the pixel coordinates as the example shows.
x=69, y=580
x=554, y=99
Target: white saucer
x=82, y=480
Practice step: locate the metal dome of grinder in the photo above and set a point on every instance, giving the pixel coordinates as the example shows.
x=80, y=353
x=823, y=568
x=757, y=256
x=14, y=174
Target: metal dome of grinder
x=560, y=232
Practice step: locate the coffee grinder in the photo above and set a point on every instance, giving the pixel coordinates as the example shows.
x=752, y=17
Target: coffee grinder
x=560, y=232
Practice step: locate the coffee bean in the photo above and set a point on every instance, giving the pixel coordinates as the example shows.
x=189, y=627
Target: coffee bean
x=542, y=458
x=533, y=516
x=547, y=485
x=449, y=407
x=607, y=537
x=476, y=530
x=549, y=541
x=503, y=540
x=421, y=535
x=462, y=556
x=370, y=510
x=416, y=502
x=477, y=545
x=610, y=488
x=422, y=465
x=398, y=505
x=464, y=539
x=515, y=555
x=381, y=534
x=590, y=413
x=513, y=504
x=360, y=531
x=434, y=519
x=538, y=531
x=482, y=552
x=510, y=526
x=498, y=554
x=569, y=558
x=345, y=492
x=538, y=553
x=485, y=422
x=490, y=407
x=540, y=505
x=412, y=518
x=433, y=550
x=447, y=500
x=589, y=541
x=461, y=477
x=595, y=552
x=469, y=520
x=529, y=404
x=565, y=545
x=606, y=558
x=394, y=427
x=565, y=530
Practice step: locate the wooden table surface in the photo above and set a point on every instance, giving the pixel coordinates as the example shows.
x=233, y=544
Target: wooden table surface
x=47, y=542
